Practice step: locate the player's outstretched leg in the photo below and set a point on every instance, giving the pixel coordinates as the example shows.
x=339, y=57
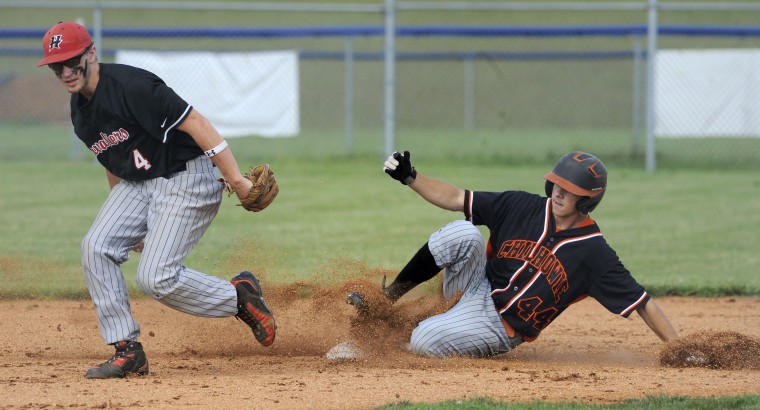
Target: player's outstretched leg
x=420, y=268
x=128, y=359
x=392, y=293
x=252, y=309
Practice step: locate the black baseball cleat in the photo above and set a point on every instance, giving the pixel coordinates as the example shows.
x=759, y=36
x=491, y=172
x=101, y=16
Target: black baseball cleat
x=356, y=300
x=252, y=309
x=128, y=359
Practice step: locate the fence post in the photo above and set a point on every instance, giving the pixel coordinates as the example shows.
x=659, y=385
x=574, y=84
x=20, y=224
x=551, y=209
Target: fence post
x=636, y=120
x=349, y=96
x=97, y=28
x=652, y=26
x=469, y=93
x=390, y=80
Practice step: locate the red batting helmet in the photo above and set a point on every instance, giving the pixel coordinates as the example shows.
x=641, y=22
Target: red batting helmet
x=64, y=41
x=582, y=174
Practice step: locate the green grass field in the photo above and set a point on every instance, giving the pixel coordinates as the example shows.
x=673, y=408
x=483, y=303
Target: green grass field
x=682, y=232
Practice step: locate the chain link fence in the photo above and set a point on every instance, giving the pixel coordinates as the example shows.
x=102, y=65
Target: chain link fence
x=474, y=85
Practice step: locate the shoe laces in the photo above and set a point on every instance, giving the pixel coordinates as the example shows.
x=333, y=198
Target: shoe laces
x=117, y=355
x=120, y=352
x=251, y=321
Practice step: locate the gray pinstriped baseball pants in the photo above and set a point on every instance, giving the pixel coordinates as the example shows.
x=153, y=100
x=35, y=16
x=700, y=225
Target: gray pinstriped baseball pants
x=472, y=327
x=171, y=214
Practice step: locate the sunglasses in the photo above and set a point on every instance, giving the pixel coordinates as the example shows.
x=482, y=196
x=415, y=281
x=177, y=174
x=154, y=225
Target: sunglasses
x=70, y=63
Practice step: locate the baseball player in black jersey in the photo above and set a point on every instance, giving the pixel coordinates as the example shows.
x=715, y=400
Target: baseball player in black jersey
x=160, y=156
x=543, y=255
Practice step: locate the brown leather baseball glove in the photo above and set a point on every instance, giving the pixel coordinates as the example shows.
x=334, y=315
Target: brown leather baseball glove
x=264, y=188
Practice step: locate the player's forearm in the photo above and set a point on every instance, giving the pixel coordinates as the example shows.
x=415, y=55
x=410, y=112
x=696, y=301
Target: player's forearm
x=208, y=139
x=439, y=193
x=203, y=133
x=655, y=318
x=229, y=169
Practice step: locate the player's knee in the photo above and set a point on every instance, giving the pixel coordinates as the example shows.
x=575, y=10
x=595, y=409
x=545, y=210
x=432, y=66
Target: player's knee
x=461, y=231
x=471, y=236
x=416, y=347
x=94, y=247
x=152, y=283
x=457, y=241
x=87, y=248
x=146, y=285
x=428, y=343
x=91, y=249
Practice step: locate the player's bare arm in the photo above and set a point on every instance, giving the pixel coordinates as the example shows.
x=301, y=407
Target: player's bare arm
x=439, y=193
x=655, y=318
x=208, y=138
x=112, y=179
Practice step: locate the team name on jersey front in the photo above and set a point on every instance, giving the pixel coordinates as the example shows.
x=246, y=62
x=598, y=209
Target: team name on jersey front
x=108, y=140
x=543, y=260
x=125, y=124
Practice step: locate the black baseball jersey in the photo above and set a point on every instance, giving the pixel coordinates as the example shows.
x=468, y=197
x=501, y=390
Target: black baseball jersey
x=131, y=124
x=536, y=272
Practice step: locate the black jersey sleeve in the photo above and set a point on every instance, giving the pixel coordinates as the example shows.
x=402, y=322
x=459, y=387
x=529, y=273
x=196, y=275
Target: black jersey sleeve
x=615, y=288
x=493, y=208
x=156, y=107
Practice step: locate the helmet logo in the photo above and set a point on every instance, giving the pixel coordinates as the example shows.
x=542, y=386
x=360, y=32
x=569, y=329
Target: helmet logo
x=582, y=157
x=55, y=42
x=593, y=171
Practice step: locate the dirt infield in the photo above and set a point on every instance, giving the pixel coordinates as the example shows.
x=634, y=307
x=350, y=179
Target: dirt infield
x=586, y=355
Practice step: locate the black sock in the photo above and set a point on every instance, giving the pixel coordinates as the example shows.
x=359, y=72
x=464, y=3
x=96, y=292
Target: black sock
x=420, y=268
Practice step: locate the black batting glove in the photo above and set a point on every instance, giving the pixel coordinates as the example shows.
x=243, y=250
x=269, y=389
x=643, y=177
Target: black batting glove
x=400, y=168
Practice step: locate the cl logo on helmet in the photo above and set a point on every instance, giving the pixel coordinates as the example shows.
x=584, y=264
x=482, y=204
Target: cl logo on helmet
x=55, y=42
x=582, y=157
x=593, y=171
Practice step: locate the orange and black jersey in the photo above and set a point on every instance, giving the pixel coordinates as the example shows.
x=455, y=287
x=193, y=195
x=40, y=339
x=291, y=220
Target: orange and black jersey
x=536, y=271
x=131, y=124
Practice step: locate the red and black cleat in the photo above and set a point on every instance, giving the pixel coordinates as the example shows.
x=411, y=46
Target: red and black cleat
x=129, y=359
x=252, y=309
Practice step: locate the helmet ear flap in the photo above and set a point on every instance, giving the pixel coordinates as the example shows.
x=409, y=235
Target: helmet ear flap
x=587, y=204
x=584, y=205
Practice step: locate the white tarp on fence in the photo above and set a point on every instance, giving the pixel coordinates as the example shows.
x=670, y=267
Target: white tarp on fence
x=240, y=93
x=707, y=93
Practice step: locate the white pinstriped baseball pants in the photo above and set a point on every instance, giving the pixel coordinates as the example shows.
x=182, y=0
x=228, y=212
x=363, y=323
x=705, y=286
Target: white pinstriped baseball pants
x=171, y=214
x=472, y=327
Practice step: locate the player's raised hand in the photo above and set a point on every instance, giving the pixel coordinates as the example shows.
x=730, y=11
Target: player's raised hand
x=400, y=168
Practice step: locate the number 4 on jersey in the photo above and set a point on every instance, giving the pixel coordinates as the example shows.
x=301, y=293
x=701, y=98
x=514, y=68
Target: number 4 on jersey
x=140, y=161
x=528, y=311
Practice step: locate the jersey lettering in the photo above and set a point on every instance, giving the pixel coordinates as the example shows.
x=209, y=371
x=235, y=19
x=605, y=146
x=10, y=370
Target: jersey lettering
x=108, y=140
x=543, y=260
x=140, y=161
x=516, y=249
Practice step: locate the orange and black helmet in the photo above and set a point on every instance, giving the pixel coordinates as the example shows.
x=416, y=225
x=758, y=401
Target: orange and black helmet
x=582, y=174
